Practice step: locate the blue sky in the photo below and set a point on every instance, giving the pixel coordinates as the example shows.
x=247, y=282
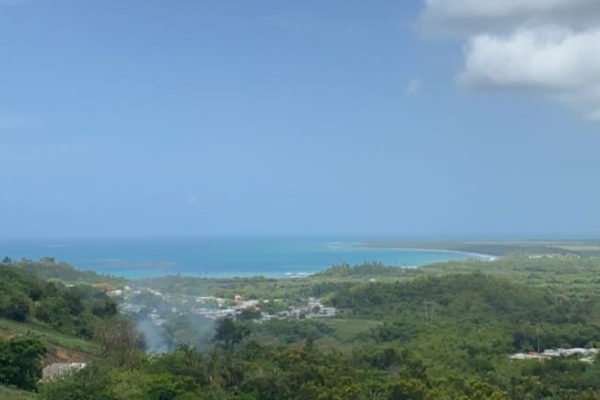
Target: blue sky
x=192, y=117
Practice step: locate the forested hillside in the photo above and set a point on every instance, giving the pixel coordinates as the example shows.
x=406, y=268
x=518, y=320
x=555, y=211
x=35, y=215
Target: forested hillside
x=70, y=309
x=437, y=337
x=441, y=332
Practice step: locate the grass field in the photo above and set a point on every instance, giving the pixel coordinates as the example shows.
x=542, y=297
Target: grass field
x=13, y=394
x=10, y=328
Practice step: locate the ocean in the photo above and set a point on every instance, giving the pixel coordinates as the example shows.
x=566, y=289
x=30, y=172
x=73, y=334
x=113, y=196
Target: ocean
x=217, y=257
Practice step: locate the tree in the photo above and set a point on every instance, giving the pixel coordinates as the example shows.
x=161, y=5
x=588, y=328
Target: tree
x=106, y=308
x=230, y=333
x=119, y=341
x=20, y=362
x=74, y=297
x=408, y=389
x=480, y=390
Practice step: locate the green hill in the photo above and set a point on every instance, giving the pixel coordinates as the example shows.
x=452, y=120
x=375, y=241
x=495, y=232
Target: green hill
x=45, y=321
x=48, y=268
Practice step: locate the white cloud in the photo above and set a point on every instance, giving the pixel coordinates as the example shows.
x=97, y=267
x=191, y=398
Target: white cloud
x=551, y=47
x=443, y=9
x=550, y=58
x=412, y=87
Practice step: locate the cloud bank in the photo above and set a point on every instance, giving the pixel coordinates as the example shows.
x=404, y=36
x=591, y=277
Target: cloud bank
x=551, y=47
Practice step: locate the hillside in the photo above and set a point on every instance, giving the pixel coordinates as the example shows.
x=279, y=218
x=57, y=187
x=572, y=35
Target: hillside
x=48, y=268
x=46, y=321
x=396, y=335
x=443, y=331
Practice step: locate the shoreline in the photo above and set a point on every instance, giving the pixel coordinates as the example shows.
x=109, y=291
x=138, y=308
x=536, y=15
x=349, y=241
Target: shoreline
x=298, y=275
x=400, y=246
x=489, y=257
x=282, y=259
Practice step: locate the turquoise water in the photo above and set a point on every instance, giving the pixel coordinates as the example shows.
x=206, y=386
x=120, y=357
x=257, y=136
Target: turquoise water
x=217, y=257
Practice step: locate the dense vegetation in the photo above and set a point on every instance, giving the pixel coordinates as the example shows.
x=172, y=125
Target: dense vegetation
x=239, y=368
x=565, y=276
x=43, y=318
x=439, y=332
x=20, y=362
x=73, y=309
x=445, y=337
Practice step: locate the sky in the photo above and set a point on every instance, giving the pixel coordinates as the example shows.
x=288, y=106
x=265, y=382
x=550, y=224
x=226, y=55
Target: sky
x=412, y=118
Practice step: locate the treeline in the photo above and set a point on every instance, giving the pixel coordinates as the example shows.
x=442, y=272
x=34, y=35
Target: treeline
x=74, y=310
x=564, y=276
x=368, y=269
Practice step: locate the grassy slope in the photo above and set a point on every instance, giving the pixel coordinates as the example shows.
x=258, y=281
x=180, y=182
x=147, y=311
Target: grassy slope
x=56, y=343
x=59, y=345
x=50, y=338
x=14, y=394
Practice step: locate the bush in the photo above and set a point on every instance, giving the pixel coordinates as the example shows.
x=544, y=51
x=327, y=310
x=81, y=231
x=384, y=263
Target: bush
x=20, y=362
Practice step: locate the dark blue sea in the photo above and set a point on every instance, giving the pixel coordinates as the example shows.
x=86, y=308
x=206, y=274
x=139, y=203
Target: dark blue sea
x=217, y=257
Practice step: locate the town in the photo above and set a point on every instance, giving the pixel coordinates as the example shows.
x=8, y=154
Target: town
x=584, y=355
x=135, y=302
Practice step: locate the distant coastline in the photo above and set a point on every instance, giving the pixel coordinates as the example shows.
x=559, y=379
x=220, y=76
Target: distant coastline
x=228, y=257
x=498, y=248
x=375, y=245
